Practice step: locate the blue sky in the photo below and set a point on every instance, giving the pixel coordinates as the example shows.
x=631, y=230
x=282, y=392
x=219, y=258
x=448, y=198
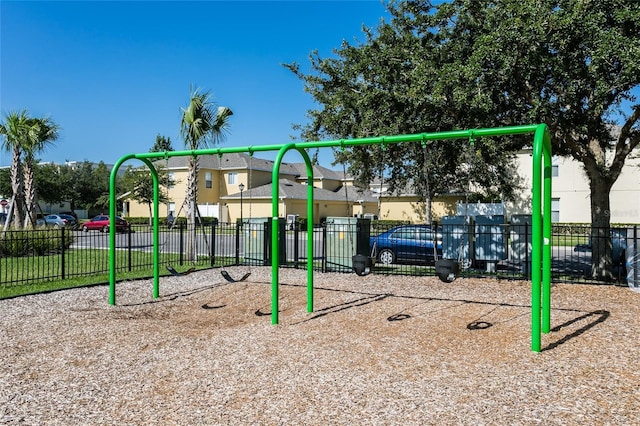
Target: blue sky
x=114, y=74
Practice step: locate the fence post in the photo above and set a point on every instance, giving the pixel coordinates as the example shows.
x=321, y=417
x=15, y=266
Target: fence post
x=128, y=246
x=324, y=247
x=62, y=260
x=238, y=243
x=212, y=254
x=267, y=248
x=296, y=244
x=527, y=265
x=637, y=250
x=435, y=245
x=181, y=245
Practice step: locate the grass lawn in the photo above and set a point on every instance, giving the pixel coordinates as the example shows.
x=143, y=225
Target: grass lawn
x=82, y=267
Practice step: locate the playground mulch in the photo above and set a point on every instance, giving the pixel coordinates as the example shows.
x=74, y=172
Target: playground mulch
x=376, y=350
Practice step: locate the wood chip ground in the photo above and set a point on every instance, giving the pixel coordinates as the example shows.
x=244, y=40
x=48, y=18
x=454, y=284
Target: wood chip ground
x=377, y=350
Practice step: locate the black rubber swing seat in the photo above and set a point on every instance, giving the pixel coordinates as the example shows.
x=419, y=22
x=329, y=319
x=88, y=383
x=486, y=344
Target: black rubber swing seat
x=229, y=278
x=447, y=270
x=179, y=274
x=362, y=265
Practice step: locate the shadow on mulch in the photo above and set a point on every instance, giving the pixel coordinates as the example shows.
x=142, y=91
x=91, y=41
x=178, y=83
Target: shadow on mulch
x=365, y=298
x=596, y=317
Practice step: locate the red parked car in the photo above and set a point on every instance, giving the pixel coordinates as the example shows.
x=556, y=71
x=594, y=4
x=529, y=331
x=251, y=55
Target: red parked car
x=101, y=223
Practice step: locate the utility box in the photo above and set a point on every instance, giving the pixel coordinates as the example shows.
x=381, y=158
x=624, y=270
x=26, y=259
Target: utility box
x=520, y=237
x=490, y=241
x=633, y=266
x=457, y=239
x=346, y=237
x=256, y=234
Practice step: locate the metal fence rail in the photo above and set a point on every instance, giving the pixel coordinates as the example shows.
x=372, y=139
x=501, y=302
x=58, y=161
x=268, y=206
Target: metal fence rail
x=498, y=250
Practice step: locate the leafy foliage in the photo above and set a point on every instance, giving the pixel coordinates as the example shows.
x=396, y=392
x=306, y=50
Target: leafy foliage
x=5, y=182
x=162, y=144
x=390, y=84
x=571, y=64
x=139, y=183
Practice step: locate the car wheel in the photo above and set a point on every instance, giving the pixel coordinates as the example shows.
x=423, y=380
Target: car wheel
x=56, y=226
x=387, y=257
x=105, y=228
x=84, y=228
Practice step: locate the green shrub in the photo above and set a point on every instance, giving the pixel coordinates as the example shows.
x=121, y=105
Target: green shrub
x=206, y=221
x=34, y=242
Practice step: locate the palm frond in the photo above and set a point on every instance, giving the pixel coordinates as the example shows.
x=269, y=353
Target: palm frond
x=203, y=122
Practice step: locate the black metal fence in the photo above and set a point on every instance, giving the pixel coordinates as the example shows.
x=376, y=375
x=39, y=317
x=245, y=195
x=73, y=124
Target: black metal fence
x=489, y=250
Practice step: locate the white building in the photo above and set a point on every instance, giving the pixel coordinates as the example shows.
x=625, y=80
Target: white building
x=571, y=195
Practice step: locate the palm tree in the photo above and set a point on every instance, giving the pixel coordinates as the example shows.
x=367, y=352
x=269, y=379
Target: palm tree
x=16, y=130
x=42, y=133
x=203, y=124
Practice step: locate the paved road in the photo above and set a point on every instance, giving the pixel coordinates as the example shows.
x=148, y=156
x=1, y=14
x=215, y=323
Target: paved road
x=565, y=260
x=225, y=244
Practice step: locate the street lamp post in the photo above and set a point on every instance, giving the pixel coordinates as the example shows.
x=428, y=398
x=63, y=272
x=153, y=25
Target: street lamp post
x=241, y=188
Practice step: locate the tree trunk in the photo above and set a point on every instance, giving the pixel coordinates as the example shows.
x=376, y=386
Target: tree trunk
x=602, y=249
x=17, y=188
x=190, y=202
x=428, y=217
x=30, y=196
x=150, y=214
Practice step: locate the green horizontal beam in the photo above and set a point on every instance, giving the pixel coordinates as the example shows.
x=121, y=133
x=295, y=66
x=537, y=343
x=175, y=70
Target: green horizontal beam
x=381, y=140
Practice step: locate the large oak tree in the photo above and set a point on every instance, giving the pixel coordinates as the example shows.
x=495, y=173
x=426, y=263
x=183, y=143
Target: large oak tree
x=572, y=64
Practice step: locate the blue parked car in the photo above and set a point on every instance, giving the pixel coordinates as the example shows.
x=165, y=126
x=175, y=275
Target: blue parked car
x=407, y=244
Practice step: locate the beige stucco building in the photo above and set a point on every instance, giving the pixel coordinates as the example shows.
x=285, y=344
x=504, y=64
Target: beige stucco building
x=220, y=180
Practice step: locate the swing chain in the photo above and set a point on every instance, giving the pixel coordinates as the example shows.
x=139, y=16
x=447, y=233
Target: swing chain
x=250, y=180
x=470, y=155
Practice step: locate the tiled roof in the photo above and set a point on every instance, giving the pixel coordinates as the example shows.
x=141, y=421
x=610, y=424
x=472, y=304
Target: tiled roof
x=293, y=190
x=320, y=172
x=230, y=162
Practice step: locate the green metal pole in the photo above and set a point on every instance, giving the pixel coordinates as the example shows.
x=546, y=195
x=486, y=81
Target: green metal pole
x=536, y=230
x=310, y=240
x=275, y=214
x=112, y=229
x=156, y=231
x=547, y=233
x=541, y=231
x=310, y=221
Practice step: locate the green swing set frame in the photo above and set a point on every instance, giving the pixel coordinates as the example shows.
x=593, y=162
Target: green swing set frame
x=540, y=209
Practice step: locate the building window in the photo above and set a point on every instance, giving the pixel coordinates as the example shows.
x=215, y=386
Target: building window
x=172, y=179
x=208, y=182
x=554, y=166
x=232, y=178
x=555, y=210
